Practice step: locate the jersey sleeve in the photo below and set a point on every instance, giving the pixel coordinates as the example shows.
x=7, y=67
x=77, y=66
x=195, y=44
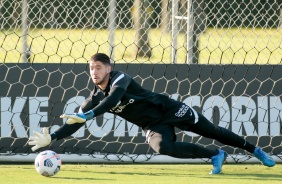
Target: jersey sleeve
x=120, y=80
x=90, y=102
x=65, y=131
x=118, y=86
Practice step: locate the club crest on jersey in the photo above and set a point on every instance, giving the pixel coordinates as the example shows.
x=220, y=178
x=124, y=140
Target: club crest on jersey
x=119, y=108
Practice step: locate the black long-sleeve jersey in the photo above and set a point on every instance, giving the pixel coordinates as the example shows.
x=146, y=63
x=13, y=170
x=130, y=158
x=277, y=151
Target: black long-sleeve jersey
x=124, y=97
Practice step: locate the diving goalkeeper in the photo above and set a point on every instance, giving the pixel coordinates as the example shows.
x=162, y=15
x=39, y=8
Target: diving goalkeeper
x=157, y=114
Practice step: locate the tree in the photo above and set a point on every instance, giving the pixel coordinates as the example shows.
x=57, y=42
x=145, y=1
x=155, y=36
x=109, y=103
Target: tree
x=141, y=25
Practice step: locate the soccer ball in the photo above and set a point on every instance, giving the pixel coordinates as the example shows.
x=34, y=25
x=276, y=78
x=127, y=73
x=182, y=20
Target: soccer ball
x=47, y=163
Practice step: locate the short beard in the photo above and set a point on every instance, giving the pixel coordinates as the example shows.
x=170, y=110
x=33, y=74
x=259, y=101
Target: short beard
x=102, y=81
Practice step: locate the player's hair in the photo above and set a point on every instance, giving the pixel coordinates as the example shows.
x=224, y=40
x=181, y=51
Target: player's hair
x=104, y=58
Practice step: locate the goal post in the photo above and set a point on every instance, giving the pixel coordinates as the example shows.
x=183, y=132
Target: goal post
x=188, y=31
x=236, y=82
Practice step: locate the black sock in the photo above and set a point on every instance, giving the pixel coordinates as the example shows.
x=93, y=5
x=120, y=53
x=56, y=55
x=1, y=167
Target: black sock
x=207, y=129
x=189, y=150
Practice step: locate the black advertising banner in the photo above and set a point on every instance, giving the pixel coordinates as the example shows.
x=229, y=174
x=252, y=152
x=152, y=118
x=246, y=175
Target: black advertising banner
x=243, y=98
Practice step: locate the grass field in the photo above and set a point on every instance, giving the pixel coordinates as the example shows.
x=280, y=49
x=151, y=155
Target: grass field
x=144, y=173
x=217, y=46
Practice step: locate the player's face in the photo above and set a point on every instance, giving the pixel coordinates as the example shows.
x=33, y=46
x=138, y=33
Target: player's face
x=99, y=73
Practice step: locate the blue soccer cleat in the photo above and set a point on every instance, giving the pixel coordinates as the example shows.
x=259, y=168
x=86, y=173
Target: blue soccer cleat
x=217, y=161
x=265, y=159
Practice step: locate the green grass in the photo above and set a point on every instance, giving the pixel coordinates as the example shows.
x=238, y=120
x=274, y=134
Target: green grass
x=143, y=173
x=217, y=46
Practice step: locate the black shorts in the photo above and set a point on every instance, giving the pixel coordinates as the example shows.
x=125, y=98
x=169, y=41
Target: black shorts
x=181, y=116
x=166, y=132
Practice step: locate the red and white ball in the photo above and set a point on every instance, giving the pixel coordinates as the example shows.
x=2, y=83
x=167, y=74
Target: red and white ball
x=47, y=163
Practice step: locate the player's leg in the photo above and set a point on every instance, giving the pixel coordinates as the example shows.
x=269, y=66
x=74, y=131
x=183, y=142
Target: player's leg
x=207, y=129
x=162, y=139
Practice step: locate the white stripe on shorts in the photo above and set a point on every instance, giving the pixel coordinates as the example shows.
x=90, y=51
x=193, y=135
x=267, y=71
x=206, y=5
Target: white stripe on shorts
x=196, y=115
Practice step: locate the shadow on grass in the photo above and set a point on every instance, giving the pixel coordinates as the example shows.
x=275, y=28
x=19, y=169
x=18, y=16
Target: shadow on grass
x=237, y=176
x=131, y=173
x=224, y=176
x=77, y=178
x=246, y=176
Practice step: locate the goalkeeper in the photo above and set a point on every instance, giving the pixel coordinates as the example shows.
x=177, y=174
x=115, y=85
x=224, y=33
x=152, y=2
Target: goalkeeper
x=156, y=114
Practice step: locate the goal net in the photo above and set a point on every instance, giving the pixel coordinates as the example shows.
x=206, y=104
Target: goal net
x=221, y=57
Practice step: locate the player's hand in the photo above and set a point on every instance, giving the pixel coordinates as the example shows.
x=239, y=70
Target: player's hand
x=78, y=117
x=40, y=140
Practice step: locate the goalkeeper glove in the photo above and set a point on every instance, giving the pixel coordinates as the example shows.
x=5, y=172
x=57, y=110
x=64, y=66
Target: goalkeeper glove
x=40, y=140
x=78, y=117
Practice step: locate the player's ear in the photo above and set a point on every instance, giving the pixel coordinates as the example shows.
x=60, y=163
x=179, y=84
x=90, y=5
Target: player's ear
x=109, y=68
